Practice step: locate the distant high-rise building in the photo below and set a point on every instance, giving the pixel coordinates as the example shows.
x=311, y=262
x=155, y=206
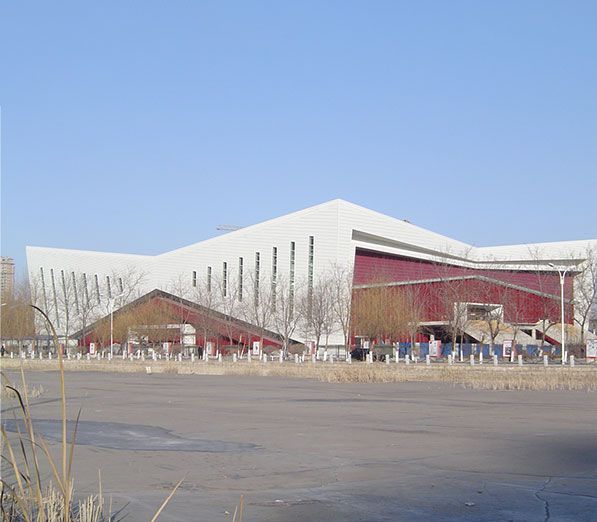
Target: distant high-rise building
x=7, y=277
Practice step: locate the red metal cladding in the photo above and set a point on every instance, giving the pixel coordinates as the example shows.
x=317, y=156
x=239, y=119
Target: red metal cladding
x=219, y=331
x=520, y=306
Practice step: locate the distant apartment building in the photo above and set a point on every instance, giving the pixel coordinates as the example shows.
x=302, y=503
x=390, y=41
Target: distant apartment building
x=7, y=277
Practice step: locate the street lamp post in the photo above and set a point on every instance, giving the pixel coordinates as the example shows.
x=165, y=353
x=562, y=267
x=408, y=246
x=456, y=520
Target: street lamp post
x=111, y=302
x=562, y=273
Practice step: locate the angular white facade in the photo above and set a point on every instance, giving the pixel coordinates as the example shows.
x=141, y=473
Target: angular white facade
x=296, y=245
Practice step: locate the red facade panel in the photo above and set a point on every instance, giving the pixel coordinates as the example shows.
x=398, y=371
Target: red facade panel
x=519, y=306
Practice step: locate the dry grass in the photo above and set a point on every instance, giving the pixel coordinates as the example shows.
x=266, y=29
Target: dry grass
x=8, y=393
x=25, y=496
x=35, y=486
x=505, y=377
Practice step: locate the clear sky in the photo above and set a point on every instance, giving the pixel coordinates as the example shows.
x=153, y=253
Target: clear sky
x=140, y=126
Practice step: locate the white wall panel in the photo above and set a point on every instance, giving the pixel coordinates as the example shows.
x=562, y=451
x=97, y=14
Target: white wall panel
x=331, y=224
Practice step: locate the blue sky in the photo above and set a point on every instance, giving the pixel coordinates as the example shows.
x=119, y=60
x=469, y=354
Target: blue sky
x=140, y=126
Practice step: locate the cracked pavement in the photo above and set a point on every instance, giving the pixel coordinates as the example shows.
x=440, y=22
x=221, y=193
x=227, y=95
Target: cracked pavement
x=305, y=450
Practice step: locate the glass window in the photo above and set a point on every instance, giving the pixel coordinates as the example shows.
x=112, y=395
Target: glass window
x=240, y=278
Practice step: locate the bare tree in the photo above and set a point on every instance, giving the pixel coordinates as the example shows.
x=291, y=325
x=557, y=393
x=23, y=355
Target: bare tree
x=452, y=292
x=258, y=303
x=412, y=311
x=549, y=303
x=122, y=286
x=230, y=306
x=86, y=304
x=205, y=294
x=492, y=296
x=516, y=305
x=286, y=316
x=585, y=291
x=316, y=310
x=67, y=305
x=341, y=279
x=17, y=322
x=181, y=289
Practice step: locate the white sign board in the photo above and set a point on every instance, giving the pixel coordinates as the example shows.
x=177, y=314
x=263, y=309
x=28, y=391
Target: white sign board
x=592, y=349
x=91, y=348
x=256, y=347
x=507, y=349
x=435, y=348
x=166, y=347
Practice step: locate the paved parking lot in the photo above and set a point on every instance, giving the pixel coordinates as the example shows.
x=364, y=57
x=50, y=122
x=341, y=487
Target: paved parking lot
x=305, y=450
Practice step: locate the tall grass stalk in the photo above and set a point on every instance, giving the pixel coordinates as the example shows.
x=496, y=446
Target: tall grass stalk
x=24, y=497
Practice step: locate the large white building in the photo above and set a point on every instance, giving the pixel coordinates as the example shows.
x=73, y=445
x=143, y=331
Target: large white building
x=300, y=246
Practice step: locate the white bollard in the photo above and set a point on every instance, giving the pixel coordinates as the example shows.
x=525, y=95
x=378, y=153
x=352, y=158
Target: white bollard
x=12, y=355
x=79, y=355
x=449, y=359
x=407, y=359
x=154, y=356
x=49, y=355
x=249, y=356
x=495, y=359
x=325, y=356
x=219, y=357
x=234, y=357
x=193, y=357
x=461, y=356
x=123, y=355
x=143, y=356
x=296, y=358
x=481, y=356
x=180, y=357
x=314, y=358
x=512, y=355
x=89, y=357
x=572, y=361
x=520, y=360
x=264, y=359
x=349, y=358
x=545, y=360
x=472, y=359
x=387, y=358
x=427, y=360
x=281, y=357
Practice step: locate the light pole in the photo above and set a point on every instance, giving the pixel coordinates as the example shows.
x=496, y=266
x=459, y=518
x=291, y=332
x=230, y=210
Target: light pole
x=562, y=273
x=111, y=305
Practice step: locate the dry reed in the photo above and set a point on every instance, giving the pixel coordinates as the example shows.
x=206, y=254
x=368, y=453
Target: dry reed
x=504, y=377
x=24, y=495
